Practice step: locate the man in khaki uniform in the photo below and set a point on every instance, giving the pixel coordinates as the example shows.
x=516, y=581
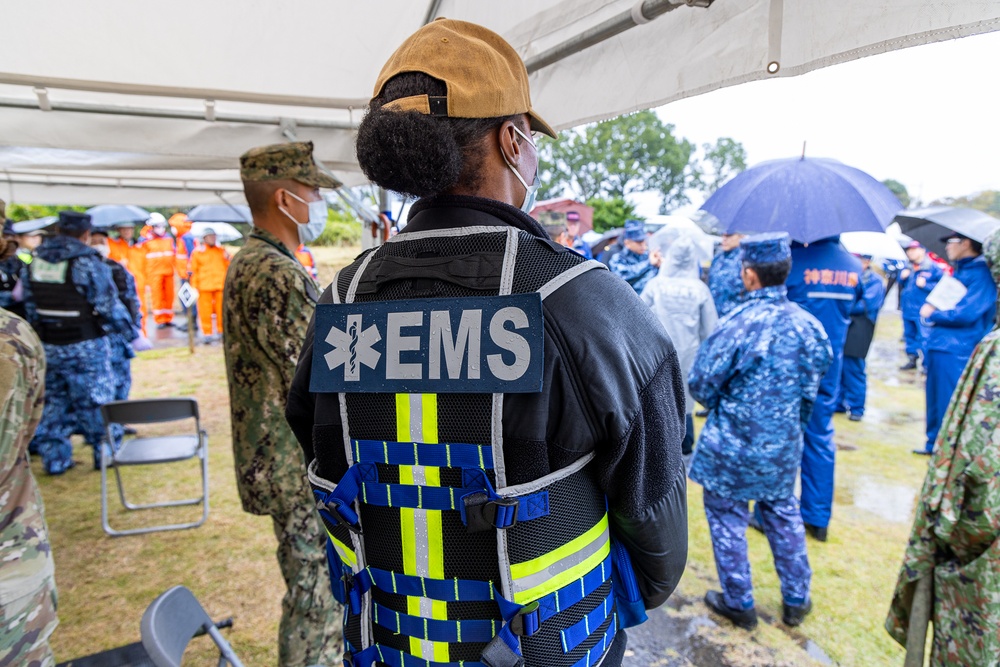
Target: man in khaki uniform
x=27, y=583
x=269, y=298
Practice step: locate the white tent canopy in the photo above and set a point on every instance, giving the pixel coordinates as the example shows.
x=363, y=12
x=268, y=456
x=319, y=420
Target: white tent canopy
x=129, y=91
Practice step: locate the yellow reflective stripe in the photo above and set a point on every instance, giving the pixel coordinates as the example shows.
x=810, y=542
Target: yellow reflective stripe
x=430, y=425
x=564, y=578
x=402, y=417
x=346, y=553
x=536, y=565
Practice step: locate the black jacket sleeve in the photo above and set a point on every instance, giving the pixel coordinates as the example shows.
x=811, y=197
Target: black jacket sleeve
x=300, y=406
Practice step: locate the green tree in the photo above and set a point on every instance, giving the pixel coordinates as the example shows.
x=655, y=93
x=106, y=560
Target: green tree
x=725, y=159
x=611, y=212
x=615, y=158
x=987, y=201
x=22, y=212
x=899, y=190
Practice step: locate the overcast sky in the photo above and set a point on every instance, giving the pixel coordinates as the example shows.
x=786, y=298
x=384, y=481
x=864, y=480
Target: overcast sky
x=927, y=116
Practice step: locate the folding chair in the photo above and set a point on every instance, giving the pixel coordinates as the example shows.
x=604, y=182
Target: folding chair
x=170, y=622
x=153, y=450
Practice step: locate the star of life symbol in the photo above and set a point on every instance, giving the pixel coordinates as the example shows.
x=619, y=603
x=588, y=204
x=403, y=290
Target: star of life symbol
x=353, y=348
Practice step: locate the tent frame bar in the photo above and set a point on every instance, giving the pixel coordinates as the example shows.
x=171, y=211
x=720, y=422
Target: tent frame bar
x=643, y=12
x=209, y=115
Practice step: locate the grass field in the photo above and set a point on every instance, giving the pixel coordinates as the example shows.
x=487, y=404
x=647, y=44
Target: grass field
x=105, y=584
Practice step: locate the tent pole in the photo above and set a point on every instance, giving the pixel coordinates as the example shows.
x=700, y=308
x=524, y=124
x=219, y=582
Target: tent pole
x=643, y=12
x=432, y=11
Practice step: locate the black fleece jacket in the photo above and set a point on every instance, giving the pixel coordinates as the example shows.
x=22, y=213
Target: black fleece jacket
x=612, y=385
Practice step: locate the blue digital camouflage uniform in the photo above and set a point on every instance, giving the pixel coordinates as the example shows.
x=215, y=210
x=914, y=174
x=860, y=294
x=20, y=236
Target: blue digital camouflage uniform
x=78, y=377
x=825, y=280
x=724, y=280
x=953, y=335
x=758, y=374
x=854, y=378
x=911, y=297
x=634, y=268
x=121, y=345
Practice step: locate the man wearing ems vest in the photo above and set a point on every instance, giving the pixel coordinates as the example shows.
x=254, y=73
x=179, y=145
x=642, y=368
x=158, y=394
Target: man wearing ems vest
x=825, y=280
x=71, y=300
x=268, y=299
x=161, y=261
x=499, y=470
x=209, y=263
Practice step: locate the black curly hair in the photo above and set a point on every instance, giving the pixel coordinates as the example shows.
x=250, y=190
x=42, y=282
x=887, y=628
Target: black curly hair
x=418, y=155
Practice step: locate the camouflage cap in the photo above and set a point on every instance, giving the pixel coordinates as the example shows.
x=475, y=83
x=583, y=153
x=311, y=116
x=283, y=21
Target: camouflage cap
x=293, y=161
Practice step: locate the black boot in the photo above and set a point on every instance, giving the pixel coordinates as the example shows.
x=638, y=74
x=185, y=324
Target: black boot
x=817, y=533
x=743, y=618
x=911, y=363
x=794, y=614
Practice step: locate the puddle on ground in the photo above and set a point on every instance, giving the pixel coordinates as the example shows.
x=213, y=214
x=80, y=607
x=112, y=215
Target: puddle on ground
x=892, y=502
x=815, y=652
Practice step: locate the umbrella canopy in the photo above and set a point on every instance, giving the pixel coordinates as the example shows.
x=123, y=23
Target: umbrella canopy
x=929, y=225
x=875, y=244
x=109, y=215
x=810, y=198
x=29, y=226
x=220, y=213
x=224, y=232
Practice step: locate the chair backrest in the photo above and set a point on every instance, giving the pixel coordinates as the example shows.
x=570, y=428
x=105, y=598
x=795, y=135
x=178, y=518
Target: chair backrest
x=169, y=623
x=149, y=410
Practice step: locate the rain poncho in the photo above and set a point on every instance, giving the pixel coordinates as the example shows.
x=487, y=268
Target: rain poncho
x=683, y=304
x=956, y=532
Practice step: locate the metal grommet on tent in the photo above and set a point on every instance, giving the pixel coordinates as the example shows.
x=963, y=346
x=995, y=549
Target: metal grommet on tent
x=773, y=67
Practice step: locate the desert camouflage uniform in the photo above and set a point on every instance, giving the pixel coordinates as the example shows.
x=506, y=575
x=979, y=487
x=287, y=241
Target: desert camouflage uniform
x=725, y=281
x=27, y=585
x=758, y=374
x=268, y=300
x=956, y=532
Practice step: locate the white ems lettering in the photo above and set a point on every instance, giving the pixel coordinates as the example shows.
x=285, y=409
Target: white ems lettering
x=510, y=341
x=455, y=347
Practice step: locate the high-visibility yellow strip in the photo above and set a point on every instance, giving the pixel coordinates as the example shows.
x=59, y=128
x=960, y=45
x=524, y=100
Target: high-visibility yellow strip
x=345, y=552
x=402, y=417
x=564, y=578
x=527, y=568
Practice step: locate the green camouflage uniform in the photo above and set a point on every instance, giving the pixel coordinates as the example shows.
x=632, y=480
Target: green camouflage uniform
x=956, y=533
x=27, y=585
x=268, y=300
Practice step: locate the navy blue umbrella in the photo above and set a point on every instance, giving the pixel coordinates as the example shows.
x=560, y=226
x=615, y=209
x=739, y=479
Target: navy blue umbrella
x=929, y=225
x=220, y=213
x=810, y=198
x=109, y=215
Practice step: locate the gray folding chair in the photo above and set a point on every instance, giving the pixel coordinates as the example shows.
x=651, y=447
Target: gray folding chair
x=170, y=622
x=153, y=450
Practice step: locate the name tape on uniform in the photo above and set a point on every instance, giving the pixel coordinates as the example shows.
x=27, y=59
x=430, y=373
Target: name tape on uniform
x=471, y=345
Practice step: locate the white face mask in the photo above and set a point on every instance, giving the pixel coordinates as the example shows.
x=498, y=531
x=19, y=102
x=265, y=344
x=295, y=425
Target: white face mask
x=104, y=250
x=529, y=190
x=309, y=230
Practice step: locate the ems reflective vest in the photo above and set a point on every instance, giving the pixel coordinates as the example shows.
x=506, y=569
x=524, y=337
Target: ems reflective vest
x=64, y=314
x=438, y=560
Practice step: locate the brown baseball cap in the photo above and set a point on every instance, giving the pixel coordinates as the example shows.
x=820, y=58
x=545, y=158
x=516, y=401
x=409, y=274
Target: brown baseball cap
x=293, y=161
x=483, y=73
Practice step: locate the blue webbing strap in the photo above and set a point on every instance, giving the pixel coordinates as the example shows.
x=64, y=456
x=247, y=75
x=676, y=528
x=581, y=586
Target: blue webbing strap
x=396, y=658
x=435, y=630
x=444, y=455
x=597, y=652
x=577, y=633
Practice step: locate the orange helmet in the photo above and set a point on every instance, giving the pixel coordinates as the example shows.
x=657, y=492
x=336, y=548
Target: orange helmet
x=180, y=223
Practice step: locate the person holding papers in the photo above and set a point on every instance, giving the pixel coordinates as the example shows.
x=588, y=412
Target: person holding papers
x=954, y=331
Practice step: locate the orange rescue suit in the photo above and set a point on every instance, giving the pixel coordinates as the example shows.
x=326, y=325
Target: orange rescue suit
x=306, y=259
x=160, y=263
x=208, y=275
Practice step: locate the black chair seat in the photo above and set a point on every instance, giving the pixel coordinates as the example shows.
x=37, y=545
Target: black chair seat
x=157, y=450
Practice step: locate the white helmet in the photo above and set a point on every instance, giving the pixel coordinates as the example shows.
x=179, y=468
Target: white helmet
x=156, y=220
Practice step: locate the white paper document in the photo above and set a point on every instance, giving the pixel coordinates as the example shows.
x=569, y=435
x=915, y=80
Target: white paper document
x=947, y=293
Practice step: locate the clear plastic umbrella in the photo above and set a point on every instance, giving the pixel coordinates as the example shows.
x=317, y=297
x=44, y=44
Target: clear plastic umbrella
x=673, y=227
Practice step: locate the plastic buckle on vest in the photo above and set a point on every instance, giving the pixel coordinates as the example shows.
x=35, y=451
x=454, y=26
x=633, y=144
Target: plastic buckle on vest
x=334, y=508
x=481, y=513
x=527, y=621
x=353, y=594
